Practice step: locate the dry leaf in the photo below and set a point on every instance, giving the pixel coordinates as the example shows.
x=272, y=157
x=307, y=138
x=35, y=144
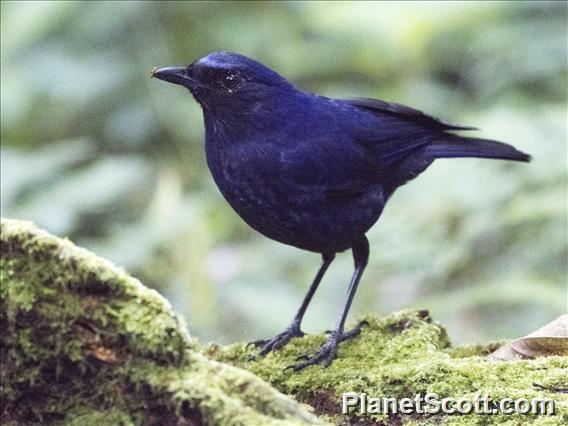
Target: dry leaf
x=552, y=339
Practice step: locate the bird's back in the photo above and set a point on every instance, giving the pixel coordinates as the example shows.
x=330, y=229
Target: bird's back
x=316, y=173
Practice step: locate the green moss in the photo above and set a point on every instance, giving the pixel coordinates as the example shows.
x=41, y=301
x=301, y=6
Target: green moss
x=85, y=343
x=401, y=356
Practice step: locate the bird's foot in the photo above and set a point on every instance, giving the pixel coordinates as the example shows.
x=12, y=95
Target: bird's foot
x=278, y=341
x=328, y=351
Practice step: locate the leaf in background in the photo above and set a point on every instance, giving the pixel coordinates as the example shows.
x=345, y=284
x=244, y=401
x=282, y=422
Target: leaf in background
x=23, y=169
x=552, y=339
x=94, y=189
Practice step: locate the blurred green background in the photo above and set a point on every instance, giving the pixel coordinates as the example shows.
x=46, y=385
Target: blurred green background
x=95, y=150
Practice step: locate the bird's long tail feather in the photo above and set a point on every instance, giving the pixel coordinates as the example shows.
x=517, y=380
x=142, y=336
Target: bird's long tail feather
x=458, y=146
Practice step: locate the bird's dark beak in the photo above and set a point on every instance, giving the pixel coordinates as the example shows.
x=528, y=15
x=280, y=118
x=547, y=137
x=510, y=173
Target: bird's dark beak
x=175, y=75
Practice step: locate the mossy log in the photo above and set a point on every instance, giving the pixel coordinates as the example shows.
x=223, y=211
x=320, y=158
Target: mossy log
x=85, y=343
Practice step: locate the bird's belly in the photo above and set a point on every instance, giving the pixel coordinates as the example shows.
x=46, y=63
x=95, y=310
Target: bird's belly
x=301, y=216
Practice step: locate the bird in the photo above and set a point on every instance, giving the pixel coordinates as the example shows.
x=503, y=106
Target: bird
x=311, y=171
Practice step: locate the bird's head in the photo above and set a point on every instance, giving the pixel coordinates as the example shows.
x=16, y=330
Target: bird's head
x=226, y=81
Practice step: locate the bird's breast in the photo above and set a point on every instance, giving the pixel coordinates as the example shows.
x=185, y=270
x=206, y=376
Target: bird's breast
x=243, y=181
x=298, y=214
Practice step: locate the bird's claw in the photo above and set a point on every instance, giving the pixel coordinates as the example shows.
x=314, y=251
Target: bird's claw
x=328, y=351
x=251, y=358
x=269, y=345
x=354, y=331
x=256, y=343
x=302, y=357
x=324, y=356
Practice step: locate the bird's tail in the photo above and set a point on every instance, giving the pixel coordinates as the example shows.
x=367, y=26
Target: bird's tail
x=457, y=146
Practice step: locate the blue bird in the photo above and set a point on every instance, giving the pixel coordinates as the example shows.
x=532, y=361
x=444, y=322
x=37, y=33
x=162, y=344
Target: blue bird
x=310, y=171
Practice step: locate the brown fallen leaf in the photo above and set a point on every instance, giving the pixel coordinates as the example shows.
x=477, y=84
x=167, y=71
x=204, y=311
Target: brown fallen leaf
x=552, y=339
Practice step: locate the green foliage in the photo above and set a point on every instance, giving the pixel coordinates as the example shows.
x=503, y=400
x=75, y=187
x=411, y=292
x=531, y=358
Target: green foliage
x=95, y=150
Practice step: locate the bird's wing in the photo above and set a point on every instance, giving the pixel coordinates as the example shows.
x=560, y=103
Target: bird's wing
x=405, y=113
x=327, y=164
x=390, y=132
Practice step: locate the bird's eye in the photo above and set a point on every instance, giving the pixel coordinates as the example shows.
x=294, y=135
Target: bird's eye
x=231, y=82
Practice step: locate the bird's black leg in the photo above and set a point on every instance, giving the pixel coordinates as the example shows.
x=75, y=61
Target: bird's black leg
x=293, y=330
x=328, y=351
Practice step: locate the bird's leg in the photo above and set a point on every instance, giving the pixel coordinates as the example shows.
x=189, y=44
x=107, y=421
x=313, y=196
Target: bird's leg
x=328, y=351
x=293, y=330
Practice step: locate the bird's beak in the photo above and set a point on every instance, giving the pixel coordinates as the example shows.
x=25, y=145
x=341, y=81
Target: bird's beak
x=176, y=75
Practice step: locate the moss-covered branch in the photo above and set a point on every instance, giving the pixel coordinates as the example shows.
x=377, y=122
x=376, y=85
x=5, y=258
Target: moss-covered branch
x=85, y=343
